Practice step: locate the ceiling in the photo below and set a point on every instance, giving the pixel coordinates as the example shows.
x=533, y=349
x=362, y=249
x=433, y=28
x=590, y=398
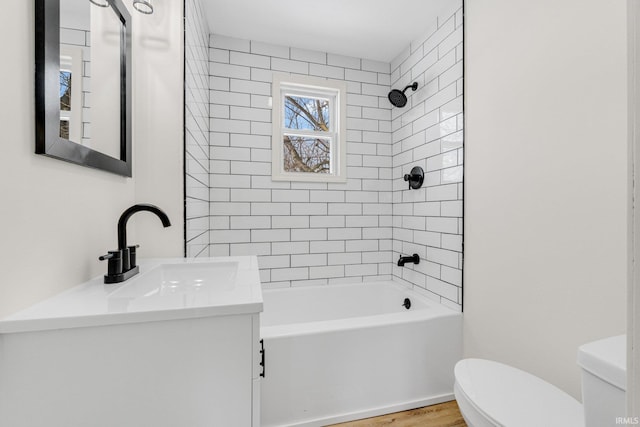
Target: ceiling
x=371, y=29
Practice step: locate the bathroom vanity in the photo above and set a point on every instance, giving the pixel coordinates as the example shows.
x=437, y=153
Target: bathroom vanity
x=177, y=345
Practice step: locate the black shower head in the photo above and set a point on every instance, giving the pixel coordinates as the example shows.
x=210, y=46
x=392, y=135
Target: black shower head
x=398, y=98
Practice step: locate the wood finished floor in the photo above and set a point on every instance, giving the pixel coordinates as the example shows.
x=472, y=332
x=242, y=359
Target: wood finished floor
x=443, y=415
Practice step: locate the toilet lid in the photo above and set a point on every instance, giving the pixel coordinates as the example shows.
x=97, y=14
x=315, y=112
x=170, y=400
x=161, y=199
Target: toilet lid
x=510, y=397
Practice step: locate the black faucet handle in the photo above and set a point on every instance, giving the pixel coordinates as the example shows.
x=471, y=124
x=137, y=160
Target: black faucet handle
x=408, y=179
x=114, y=265
x=132, y=255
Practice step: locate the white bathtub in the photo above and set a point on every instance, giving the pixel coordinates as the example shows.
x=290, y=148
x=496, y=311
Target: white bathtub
x=342, y=352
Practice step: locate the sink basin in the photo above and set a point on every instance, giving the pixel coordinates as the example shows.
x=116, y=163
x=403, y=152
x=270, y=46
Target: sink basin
x=172, y=286
x=170, y=279
x=164, y=289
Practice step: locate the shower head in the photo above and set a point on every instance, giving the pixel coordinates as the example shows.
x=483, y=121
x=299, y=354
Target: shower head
x=398, y=98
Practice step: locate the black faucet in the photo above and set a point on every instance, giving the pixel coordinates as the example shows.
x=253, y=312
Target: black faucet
x=122, y=262
x=415, y=258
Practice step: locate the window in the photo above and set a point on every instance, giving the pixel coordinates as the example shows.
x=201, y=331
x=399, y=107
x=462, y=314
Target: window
x=309, y=116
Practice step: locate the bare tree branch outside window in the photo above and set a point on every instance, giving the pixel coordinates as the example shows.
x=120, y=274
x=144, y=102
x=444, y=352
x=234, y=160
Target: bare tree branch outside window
x=65, y=90
x=65, y=101
x=304, y=153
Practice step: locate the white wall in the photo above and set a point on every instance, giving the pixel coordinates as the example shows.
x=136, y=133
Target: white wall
x=56, y=217
x=545, y=181
x=158, y=102
x=633, y=291
x=158, y=110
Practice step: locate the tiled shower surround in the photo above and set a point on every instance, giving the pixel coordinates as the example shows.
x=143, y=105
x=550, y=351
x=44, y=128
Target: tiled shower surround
x=196, y=129
x=428, y=132
x=320, y=233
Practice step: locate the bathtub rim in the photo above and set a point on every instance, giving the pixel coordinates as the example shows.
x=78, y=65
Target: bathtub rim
x=432, y=310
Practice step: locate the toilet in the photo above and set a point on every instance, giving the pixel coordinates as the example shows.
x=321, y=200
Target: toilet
x=604, y=380
x=492, y=394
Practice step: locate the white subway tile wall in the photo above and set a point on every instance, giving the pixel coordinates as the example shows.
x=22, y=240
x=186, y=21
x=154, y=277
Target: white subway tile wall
x=325, y=233
x=197, y=116
x=303, y=233
x=428, y=133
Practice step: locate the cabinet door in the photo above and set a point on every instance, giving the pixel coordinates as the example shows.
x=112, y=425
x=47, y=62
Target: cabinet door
x=190, y=372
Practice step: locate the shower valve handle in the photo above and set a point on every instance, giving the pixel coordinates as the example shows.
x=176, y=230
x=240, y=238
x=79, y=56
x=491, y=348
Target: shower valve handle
x=409, y=179
x=415, y=178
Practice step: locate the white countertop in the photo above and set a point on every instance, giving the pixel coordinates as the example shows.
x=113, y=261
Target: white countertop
x=165, y=289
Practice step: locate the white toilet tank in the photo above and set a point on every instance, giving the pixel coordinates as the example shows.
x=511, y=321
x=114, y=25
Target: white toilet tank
x=603, y=364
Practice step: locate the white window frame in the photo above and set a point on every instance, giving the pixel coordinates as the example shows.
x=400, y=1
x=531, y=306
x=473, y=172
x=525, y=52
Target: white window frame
x=312, y=87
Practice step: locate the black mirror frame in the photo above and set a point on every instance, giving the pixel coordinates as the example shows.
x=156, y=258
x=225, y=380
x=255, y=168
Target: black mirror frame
x=47, y=91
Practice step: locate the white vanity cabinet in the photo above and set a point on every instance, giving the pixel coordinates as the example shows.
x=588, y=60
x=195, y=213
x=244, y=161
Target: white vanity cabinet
x=176, y=346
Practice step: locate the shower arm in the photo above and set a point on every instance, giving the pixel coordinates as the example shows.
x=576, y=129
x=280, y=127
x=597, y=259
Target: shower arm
x=413, y=86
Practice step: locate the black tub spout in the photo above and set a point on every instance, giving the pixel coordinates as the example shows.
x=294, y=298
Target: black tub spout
x=415, y=258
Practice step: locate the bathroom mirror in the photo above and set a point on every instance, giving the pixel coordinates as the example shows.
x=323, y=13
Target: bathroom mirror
x=83, y=83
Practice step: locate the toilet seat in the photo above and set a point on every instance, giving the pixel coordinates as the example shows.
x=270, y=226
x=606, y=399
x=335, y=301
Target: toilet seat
x=493, y=394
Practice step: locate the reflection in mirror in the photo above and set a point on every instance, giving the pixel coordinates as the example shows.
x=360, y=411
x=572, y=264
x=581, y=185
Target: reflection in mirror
x=105, y=68
x=90, y=43
x=83, y=76
x=69, y=127
x=74, y=50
